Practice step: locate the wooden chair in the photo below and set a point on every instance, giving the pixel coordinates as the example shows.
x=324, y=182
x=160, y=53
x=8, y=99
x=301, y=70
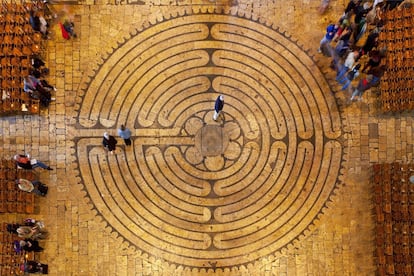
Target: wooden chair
x=34, y=106
x=29, y=203
x=11, y=206
x=3, y=201
x=20, y=207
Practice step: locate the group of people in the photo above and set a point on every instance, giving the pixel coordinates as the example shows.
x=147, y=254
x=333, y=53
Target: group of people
x=34, y=83
x=30, y=233
x=109, y=141
x=23, y=161
x=358, y=16
x=36, y=86
x=39, y=23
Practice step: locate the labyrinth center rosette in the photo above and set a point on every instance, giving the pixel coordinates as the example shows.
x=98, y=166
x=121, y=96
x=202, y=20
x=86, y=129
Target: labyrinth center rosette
x=194, y=191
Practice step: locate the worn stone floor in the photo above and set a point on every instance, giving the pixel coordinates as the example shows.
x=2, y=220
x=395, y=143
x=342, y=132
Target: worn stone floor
x=278, y=186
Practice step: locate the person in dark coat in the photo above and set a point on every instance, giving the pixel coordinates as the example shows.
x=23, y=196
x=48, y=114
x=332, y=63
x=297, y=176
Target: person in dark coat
x=374, y=61
x=361, y=12
x=352, y=5
x=30, y=245
x=35, y=267
x=218, y=107
x=38, y=23
x=370, y=43
x=34, y=21
x=12, y=228
x=109, y=142
x=37, y=62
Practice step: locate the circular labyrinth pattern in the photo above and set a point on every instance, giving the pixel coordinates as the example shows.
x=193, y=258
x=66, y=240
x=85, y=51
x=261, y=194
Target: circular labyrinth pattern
x=193, y=191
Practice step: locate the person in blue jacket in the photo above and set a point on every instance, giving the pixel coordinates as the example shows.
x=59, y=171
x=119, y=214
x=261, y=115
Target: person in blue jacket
x=330, y=34
x=125, y=134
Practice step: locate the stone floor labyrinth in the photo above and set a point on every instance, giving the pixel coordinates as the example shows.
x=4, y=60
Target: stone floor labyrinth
x=200, y=193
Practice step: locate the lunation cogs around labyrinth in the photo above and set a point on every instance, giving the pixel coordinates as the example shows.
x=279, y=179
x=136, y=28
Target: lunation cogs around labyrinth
x=192, y=191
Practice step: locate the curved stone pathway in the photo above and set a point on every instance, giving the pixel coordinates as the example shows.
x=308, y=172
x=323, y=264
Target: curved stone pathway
x=193, y=191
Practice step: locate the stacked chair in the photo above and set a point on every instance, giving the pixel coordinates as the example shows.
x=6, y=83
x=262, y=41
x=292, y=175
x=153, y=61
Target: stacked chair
x=18, y=42
x=394, y=212
x=397, y=36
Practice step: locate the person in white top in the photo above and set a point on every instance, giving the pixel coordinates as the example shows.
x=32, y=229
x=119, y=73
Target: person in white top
x=348, y=64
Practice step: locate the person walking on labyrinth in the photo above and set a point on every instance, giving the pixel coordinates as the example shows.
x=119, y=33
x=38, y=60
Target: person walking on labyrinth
x=125, y=134
x=218, y=107
x=109, y=142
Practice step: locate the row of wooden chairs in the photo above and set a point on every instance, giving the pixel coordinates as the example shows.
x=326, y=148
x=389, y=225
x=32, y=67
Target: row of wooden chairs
x=20, y=7
x=18, y=42
x=393, y=85
x=394, y=212
x=14, y=202
x=395, y=15
x=399, y=34
x=398, y=63
x=399, y=76
x=397, y=84
x=396, y=105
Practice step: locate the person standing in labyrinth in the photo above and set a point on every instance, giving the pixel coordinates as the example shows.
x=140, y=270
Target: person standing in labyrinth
x=218, y=107
x=109, y=142
x=125, y=134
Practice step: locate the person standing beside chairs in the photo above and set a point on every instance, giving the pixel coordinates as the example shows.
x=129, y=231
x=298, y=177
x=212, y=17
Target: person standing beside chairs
x=30, y=245
x=34, y=186
x=38, y=23
x=24, y=161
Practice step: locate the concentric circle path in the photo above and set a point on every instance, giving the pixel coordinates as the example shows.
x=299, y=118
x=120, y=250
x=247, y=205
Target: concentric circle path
x=196, y=192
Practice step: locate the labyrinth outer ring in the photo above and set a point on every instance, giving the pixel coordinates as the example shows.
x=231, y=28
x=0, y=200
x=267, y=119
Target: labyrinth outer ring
x=280, y=167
